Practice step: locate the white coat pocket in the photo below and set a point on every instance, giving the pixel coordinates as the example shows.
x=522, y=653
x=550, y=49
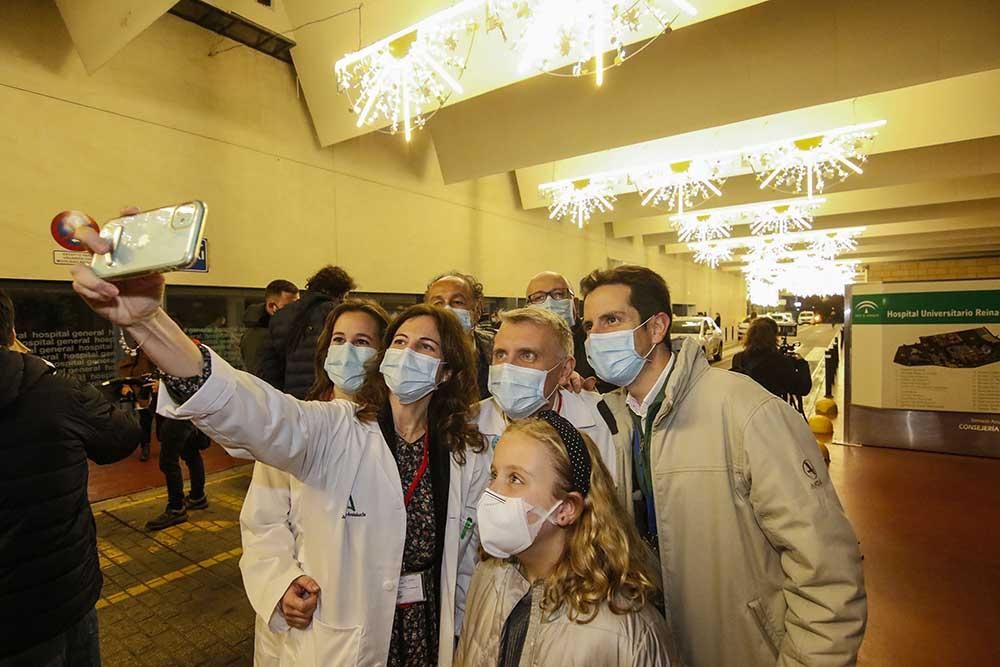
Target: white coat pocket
x=335, y=647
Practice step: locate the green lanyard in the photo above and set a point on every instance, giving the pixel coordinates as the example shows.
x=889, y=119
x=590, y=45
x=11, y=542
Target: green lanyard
x=641, y=454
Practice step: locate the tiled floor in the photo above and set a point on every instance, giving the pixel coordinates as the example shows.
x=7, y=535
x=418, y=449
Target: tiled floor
x=174, y=598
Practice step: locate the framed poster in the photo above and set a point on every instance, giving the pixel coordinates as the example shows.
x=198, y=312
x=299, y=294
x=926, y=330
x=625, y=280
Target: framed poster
x=923, y=366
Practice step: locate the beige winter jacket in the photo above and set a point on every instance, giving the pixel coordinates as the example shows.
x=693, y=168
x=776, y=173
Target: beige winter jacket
x=609, y=640
x=760, y=565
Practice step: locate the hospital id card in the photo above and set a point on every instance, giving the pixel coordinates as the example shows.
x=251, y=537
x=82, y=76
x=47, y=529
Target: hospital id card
x=411, y=589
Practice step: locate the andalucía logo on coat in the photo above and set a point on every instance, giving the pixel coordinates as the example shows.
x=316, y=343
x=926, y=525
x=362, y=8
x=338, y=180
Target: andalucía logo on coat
x=352, y=510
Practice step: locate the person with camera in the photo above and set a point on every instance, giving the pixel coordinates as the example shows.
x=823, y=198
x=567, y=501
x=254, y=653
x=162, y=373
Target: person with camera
x=51, y=425
x=779, y=370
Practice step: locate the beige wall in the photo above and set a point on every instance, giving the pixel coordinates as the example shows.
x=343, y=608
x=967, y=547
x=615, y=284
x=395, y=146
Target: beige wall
x=945, y=269
x=162, y=122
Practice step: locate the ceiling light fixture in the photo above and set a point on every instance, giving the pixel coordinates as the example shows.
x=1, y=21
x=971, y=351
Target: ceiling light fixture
x=680, y=185
x=400, y=80
x=712, y=254
x=812, y=161
x=579, y=200
x=555, y=33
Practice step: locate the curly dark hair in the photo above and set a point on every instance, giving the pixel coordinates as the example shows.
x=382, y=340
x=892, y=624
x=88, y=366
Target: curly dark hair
x=475, y=286
x=331, y=280
x=761, y=336
x=322, y=389
x=455, y=402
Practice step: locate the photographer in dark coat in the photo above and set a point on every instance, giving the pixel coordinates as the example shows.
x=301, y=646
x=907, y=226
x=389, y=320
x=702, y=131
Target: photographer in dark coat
x=784, y=375
x=50, y=576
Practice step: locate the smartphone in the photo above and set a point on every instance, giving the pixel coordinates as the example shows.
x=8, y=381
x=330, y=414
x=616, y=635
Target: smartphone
x=156, y=241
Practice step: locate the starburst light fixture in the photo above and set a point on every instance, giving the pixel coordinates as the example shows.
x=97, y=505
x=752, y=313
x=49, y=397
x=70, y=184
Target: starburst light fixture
x=783, y=218
x=811, y=162
x=681, y=185
x=580, y=199
x=556, y=32
x=833, y=244
x=712, y=254
x=777, y=217
x=400, y=80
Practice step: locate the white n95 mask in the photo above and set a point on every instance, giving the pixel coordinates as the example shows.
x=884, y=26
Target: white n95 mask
x=504, y=530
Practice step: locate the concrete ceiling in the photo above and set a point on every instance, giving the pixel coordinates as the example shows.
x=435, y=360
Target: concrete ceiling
x=743, y=72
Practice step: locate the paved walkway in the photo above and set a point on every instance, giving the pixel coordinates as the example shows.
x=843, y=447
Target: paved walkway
x=175, y=597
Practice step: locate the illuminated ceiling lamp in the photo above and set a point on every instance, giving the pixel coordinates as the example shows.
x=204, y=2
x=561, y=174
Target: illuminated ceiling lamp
x=810, y=162
x=579, y=200
x=400, y=80
x=557, y=32
x=831, y=244
x=699, y=228
x=680, y=185
x=712, y=254
x=784, y=217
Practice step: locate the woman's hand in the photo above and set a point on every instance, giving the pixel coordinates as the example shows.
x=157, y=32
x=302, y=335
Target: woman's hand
x=135, y=305
x=125, y=303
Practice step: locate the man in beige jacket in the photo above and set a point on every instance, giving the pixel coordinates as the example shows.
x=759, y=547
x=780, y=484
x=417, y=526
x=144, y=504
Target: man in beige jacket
x=760, y=565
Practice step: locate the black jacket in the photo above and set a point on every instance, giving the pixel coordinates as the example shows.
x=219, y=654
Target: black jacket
x=256, y=319
x=288, y=358
x=50, y=424
x=780, y=374
x=483, y=339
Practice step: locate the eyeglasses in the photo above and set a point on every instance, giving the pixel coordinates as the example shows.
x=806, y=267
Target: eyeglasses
x=558, y=294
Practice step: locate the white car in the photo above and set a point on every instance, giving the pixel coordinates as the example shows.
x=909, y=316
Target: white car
x=787, y=326
x=806, y=317
x=703, y=330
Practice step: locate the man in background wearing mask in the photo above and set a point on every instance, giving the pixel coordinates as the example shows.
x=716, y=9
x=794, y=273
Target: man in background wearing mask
x=551, y=291
x=462, y=294
x=731, y=489
x=532, y=360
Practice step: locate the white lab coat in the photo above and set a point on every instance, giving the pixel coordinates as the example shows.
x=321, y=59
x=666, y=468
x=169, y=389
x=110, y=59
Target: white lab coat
x=269, y=563
x=580, y=410
x=351, y=523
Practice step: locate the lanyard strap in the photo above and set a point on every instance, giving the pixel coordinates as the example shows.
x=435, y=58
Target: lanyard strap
x=420, y=471
x=647, y=492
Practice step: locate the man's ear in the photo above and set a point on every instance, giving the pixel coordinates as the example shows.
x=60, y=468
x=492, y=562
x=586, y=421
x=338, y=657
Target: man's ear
x=661, y=327
x=271, y=307
x=568, y=367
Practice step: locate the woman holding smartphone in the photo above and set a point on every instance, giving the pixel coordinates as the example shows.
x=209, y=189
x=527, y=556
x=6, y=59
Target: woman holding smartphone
x=566, y=579
x=397, y=475
x=280, y=591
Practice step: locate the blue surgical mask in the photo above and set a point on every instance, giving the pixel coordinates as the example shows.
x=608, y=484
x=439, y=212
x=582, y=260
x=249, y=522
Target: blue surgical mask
x=561, y=307
x=345, y=366
x=464, y=316
x=409, y=375
x=613, y=356
x=519, y=391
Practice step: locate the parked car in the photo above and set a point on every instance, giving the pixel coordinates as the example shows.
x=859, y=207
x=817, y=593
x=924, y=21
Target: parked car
x=806, y=317
x=741, y=328
x=703, y=330
x=787, y=325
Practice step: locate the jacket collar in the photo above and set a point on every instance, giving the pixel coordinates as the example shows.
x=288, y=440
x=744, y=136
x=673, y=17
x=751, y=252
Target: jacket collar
x=493, y=422
x=689, y=366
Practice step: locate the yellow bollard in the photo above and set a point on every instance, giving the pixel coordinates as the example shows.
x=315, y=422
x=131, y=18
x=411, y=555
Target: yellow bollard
x=826, y=407
x=820, y=425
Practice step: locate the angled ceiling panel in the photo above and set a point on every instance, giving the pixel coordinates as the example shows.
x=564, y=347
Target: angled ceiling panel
x=101, y=28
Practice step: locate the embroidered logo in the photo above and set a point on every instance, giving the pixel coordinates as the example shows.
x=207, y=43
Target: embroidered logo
x=810, y=470
x=352, y=510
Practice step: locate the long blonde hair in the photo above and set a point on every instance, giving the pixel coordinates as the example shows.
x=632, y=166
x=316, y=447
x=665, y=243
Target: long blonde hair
x=605, y=560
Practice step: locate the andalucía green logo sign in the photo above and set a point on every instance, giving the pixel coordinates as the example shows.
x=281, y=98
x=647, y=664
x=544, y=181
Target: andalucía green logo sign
x=974, y=307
